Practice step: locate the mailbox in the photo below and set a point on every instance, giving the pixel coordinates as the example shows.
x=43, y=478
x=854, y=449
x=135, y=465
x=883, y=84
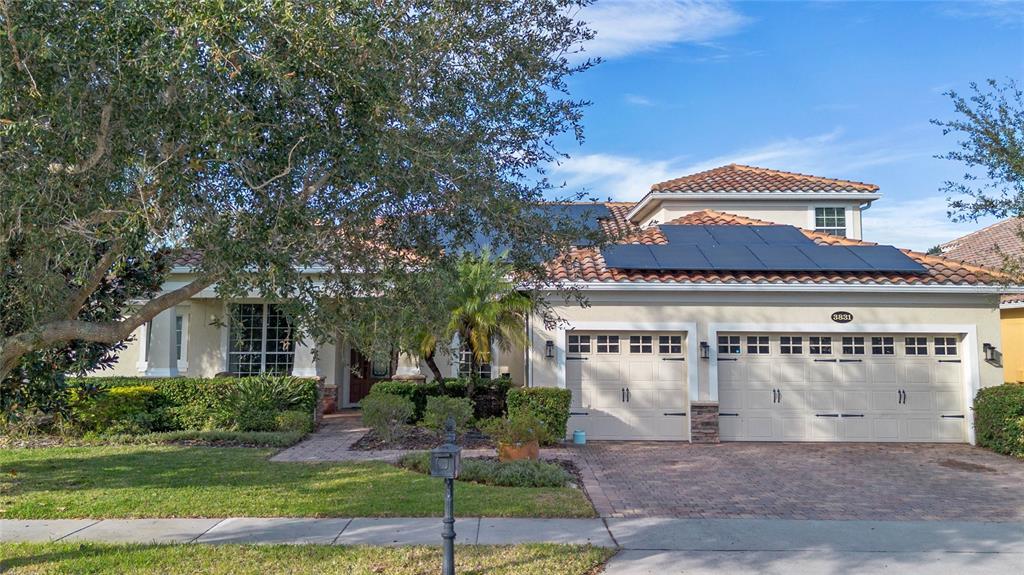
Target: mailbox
x=446, y=461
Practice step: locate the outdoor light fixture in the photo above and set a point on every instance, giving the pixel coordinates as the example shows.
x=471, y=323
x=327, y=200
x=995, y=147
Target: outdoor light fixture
x=992, y=354
x=549, y=349
x=705, y=350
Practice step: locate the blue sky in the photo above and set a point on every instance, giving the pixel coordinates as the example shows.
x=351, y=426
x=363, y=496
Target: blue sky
x=835, y=89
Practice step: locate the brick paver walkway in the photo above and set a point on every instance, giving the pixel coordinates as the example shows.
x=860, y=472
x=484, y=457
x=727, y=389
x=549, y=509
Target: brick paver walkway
x=803, y=481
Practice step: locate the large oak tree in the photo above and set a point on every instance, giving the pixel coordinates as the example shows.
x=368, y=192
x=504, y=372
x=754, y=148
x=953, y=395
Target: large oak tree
x=360, y=139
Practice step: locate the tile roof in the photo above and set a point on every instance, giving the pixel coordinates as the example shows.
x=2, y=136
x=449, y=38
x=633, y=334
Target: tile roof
x=983, y=247
x=740, y=178
x=587, y=264
x=1012, y=299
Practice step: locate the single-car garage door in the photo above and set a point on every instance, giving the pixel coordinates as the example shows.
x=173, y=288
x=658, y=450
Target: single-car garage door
x=628, y=385
x=840, y=387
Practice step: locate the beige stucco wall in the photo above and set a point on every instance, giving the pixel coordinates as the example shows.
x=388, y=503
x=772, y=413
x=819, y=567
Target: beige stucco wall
x=763, y=308
x=794, y=213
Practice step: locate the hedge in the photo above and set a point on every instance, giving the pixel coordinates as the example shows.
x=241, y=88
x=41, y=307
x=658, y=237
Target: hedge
x=999, y=418
x=488, y=395
x=182, y=403
x=549, y=404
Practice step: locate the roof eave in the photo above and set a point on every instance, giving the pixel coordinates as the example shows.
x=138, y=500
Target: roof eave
x=653, y=195
x=788, y=287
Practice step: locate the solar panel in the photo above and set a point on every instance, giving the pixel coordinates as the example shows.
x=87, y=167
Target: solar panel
x=782, y=235
x=731, y=258
x=835, y=258
x=783, y=258
x=887, y=258
x=733, y=235
x=690, y=235
x=680, y=257
x=630, y=256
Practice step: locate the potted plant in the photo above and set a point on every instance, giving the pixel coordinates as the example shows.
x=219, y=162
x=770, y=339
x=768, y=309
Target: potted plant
x=518, y=437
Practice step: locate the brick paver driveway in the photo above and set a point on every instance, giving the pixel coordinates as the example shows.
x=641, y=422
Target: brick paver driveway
x=803, y=481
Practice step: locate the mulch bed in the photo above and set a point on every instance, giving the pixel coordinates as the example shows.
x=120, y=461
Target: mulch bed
x=419, y=438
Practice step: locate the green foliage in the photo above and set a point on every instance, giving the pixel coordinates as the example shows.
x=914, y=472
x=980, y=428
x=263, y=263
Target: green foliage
x=254, y=402
x=999, y=418
x=550, y=404
x=491, y=472
x=488, y=395
x=440, y=408
x=128, y=409
x=219, y=438
x=517, y=429
x=294, y=421
x=387, y=415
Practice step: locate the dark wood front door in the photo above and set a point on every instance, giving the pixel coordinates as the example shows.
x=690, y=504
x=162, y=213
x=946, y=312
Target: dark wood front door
x=364, y=374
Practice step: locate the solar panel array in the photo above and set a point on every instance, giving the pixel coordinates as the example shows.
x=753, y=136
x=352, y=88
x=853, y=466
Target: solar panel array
x=753, y=248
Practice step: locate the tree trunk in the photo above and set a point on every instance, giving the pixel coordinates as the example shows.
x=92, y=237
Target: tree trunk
x=436, y=371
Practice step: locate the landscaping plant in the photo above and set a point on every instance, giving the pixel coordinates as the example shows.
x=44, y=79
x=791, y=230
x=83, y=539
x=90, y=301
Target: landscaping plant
x=440, y=409
x=999, y=418
x=523, y=473
x=254, y=403
x=387, y=415
x=549, y=404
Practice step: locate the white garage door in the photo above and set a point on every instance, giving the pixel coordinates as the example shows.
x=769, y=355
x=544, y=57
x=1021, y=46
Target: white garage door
x=840, y=387
x=628, y=385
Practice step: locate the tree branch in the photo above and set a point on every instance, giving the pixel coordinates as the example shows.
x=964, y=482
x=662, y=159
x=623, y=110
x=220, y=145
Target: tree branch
x=18, y=61
x=99, y=271
x=101, y=143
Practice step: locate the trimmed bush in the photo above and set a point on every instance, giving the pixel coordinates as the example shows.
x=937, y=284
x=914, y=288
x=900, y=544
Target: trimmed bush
x=488, y=398
x=293, y=421
x=439, y=409
x=517, y=429
x=416, y=392
x=125, y=409
x=549, y=404
x=999, y=418
x=386, y=414
x=218, y=438
x=491, y=472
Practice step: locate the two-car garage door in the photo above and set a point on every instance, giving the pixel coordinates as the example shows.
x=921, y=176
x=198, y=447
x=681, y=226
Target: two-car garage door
x=840, y=387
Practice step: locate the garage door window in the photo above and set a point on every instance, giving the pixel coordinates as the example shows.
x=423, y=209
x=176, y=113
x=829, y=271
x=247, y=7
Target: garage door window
x=883, y=346
x=791, y=344
x=820, y=345
x=670, y=344
x=579, y=344
x=853, y=346
x=757, y=344
x=945, y=346
x=607, y=344
x=641, y=344
x=729, y=344
x=916, y=345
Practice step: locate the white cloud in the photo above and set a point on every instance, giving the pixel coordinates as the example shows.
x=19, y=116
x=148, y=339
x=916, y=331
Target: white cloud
x=1002, y=12
x=638, y=100
x=917, y=224
x=629, y=27
x=611, y=176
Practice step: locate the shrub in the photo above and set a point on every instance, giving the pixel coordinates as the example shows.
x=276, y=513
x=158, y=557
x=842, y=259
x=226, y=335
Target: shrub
x=415, y=392
x=999, y=418
x=491, y=472
x=291, y=420
x=516, y=429
x=439, y=409
x=386, y=414
x=216, y=438
x=254, y=403
x=488, y=397
x=549, y=404
x=128, y=409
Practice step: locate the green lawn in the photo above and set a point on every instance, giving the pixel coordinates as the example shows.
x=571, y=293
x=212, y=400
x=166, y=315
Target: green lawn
x=118, y=482
x=38, y=558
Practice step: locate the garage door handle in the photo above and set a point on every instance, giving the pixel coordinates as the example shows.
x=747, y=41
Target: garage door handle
x=627, y=395
x=951, y=416
x=623, y=390
x=949, y=361
x=850, y=360
x=575, y=359
x=825, y=360
x=826, y=415
x=851, y=415
x=676, y=413
x=578, y=413
x=673, y=359
x=728, y=415
x=727, y=359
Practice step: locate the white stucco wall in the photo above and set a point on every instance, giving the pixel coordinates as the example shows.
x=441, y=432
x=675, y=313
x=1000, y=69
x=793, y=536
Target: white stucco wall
x=798, y=213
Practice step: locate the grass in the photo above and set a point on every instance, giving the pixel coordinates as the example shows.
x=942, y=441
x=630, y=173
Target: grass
x=164, y=481
x=213, y=438
x=44, y=558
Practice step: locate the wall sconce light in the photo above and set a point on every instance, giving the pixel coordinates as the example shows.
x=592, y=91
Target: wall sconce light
x=549, y=349
x=992, y=355
x=705, y=350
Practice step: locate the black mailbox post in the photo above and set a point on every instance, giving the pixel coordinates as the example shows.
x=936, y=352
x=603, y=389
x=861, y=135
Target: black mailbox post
x=445, y=462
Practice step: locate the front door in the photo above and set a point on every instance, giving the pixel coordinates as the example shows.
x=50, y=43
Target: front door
x=365, y=373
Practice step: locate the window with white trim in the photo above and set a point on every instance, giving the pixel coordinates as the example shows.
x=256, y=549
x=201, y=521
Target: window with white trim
x=853, y=345
x=830, y=220
x=670, y=344
x=758, y=345
x=945, y=346
x=883, y=345
x=483, y=370
x=579, y=344
x=641, y=344
x=729, y=344
x=820, y=345
x=260, y=340
x=607, y=344
x=791, y=344
x=916, y=345
x=179, y=328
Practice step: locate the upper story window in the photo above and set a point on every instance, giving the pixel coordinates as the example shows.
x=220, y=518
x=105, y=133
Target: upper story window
x=830, y=220
x=260, y=340
x=483, y=370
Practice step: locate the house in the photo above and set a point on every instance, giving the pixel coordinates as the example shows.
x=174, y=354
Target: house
x=988, y=247
x=742, y=305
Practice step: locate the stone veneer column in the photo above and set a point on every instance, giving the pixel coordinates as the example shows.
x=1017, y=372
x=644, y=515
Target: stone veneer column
x=704, y=421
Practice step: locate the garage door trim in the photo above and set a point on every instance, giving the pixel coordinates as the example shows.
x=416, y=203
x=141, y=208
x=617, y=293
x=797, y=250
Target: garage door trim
x=971, y=369
x=690, y=327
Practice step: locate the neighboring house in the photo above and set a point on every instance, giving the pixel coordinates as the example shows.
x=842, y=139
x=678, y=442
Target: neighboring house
x=710, y=321
x=989, y=247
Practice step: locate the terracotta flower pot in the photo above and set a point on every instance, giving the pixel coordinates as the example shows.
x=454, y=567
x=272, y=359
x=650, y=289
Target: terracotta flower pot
x=517, y=451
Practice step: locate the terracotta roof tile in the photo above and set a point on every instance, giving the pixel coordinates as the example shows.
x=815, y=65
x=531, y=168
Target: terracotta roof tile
x=985, y=246
x=740, y=178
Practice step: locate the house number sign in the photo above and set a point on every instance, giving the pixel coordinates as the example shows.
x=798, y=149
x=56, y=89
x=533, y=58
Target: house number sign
x=842, y=316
